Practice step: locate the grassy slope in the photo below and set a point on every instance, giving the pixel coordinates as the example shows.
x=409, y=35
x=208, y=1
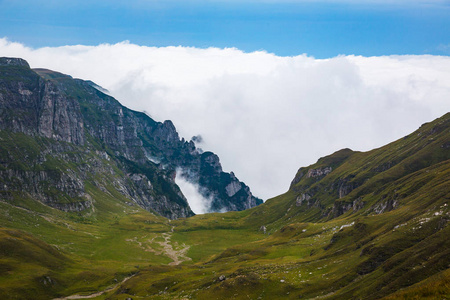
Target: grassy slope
x=307, y=251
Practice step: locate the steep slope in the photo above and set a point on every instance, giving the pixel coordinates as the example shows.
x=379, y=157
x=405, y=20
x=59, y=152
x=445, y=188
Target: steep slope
x=22, y=253
x=73, y=117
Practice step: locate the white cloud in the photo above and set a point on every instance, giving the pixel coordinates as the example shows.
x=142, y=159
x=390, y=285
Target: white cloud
x=198, y=203
x=264, y=115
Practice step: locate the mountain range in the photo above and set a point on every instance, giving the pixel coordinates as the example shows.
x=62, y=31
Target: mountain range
x=90, y=209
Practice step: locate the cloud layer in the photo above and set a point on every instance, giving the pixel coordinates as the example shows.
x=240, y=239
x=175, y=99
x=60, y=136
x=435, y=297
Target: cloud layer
x=264, y=115
x=198, y=203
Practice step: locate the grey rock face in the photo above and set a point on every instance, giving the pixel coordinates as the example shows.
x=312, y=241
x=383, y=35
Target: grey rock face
x=60, y=117
x=388, y=204
x=340, y=208
x=302, y=198
x=233, y=188
x=344, y=186
x=40, y=183
x=313, y=173
x=10, y=61
x=34, y=106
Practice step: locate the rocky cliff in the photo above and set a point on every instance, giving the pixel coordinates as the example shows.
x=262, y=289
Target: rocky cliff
x=91, y=139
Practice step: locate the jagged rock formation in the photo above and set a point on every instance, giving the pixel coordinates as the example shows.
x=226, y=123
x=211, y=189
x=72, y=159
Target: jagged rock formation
x=66, y=115
x=228, y=192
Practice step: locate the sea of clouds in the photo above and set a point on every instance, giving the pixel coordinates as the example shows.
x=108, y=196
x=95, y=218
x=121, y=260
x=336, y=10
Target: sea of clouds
x=264, y=115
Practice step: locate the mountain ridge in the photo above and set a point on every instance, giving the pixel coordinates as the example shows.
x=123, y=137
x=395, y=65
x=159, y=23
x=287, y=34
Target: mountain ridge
x=45, y=103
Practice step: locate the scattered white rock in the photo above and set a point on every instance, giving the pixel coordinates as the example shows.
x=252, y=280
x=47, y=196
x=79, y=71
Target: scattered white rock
x=347, y=225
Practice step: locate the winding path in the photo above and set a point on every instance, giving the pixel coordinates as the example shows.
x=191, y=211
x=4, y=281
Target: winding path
x=178, y=256
x=95, y=294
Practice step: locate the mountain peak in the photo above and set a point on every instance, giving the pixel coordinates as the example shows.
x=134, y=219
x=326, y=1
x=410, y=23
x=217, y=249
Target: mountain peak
x=13, y=61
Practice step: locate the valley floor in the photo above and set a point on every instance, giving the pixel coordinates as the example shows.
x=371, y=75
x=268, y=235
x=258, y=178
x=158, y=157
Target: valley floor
x=225, y=256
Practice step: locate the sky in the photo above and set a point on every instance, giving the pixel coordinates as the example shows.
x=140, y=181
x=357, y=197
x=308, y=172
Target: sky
x=271, y=86
x=320, y=28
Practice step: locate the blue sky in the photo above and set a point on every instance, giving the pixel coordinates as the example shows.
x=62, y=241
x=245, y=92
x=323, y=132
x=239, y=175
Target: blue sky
x=319, y=28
